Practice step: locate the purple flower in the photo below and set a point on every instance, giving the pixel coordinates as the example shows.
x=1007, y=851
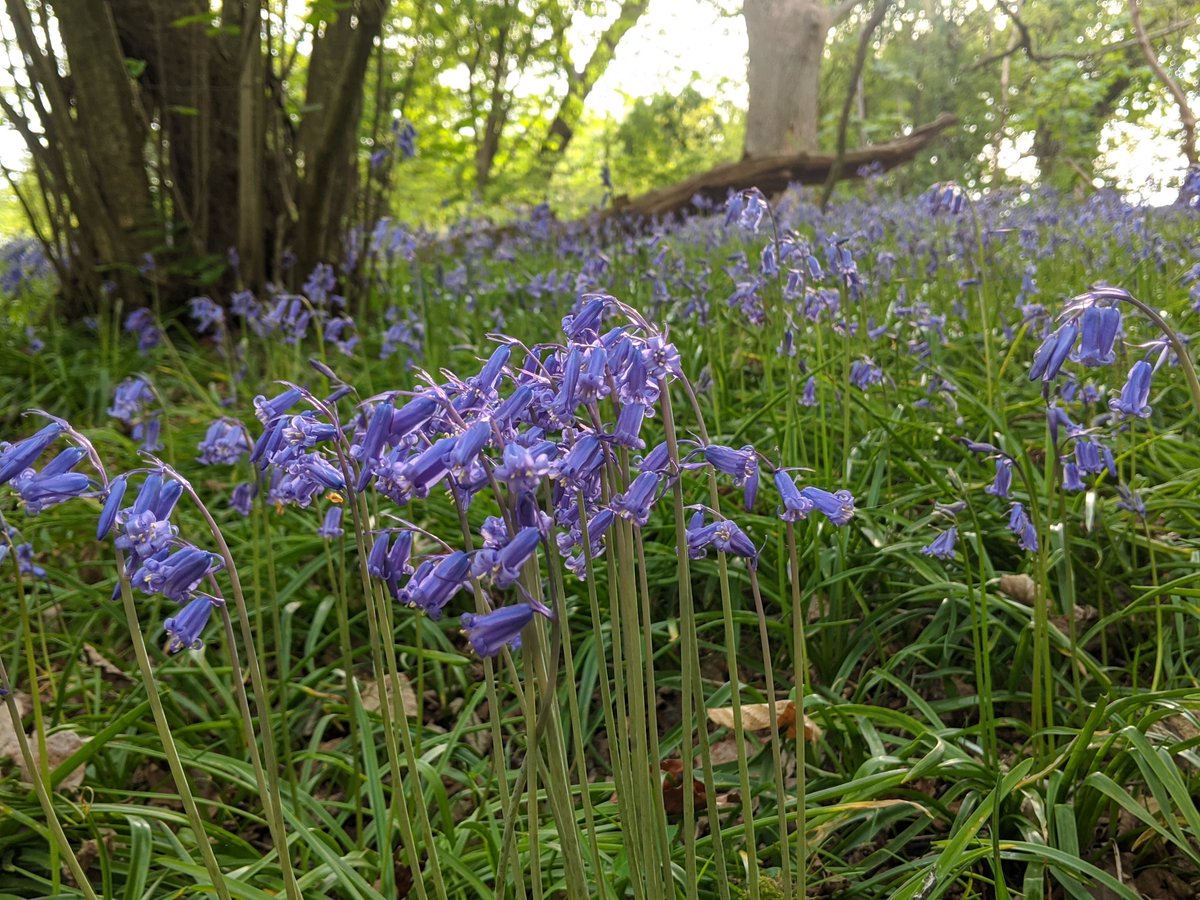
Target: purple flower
x=942, y=546
x=207, y=314
x=242, y=497
x=635, y=503
x=523, y=468
x=40, y=491
x=1131, y=501
x=1135, y=393
x=112, y=503
x=1071, y=480
x=1021, y=525
x=185, y=629
x=223, y=444
x=809, y=397
x=723, y=534
x=433, y=588
x=130, y=398
x=147, y=432
x=144, y=533
x=795, y=505
x=1003, y=481
x=837, y=507
x=331, y=527
x=1100, y=327
x=489, y=633
x=503, y=566
x=629, y=426
x=1053, y=352
x=177, y=575
x=266, y=409
x=141, y=322
x=864, y=373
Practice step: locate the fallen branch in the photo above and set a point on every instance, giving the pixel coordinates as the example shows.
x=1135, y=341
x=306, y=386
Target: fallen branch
x=772, y=174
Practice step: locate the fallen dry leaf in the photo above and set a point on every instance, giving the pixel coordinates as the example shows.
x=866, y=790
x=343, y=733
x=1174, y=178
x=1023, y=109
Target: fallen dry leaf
x=59, y=746
x=757, y=717
x=672, y=788
x=1021, y=588
x=107, y=669
x=726, y=750
x=372, y=696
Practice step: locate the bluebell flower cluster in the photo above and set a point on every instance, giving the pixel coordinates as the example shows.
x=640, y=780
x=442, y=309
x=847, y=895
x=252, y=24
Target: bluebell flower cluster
x=158, y=561
x=538, y=431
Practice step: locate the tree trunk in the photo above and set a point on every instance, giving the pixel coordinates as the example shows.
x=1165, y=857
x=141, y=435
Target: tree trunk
x=489, y=144
x=787, y=41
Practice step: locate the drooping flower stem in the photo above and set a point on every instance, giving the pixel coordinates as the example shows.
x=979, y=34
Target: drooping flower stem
x=164, y=733
x=266, y=769
x=773, y=718
x=559, y=606
x=693, y=686
x=800, y=664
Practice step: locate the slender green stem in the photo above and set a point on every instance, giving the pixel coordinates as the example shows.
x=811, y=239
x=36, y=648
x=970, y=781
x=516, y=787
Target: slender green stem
x=40, y=779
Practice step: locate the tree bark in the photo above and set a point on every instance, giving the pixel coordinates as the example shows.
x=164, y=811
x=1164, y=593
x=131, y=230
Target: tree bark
x=328, y=143
x=787, y=41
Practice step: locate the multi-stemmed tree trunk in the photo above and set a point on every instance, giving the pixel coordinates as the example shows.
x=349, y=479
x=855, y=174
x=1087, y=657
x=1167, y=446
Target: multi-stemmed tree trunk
x=162, y=128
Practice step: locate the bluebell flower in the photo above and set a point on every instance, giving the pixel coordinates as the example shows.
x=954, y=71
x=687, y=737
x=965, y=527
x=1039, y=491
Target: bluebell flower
x=242, y=497
x=1021, y=525
x=185, y=629
x=1053, y=352
x=723, y=534
x=39, y=492
x=1136, y=392
x=636, y=502
x=522, y=468
x=629, y=426
x=224, y=443
x=942, y=546
x=1087, y=455
x=207, y=315
x=431, y=589
x=1003, y=481
x=176, y=575
x=331, y=527
x=796, y=506
x=1071, y=480
x=267, y=409
x=837, y=507
x=25, y=563
x=141, y=322
x=147, y=433
x=15, y=458
x=809, y=396
x=130, y=398
x=864, y=373
x=145, y=533
x=1100, y=327
x=504, y=565
x=489, y=633
x=1131, y=501
x=112, y=504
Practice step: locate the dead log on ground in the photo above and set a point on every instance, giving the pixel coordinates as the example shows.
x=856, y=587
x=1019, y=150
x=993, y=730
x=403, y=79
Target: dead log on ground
x=772, y=174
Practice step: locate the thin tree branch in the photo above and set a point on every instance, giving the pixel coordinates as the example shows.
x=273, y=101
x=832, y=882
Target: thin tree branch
x=860, y=59
x=1186, y=116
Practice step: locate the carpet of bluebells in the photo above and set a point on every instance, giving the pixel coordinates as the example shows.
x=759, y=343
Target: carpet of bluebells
x=765, y=552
